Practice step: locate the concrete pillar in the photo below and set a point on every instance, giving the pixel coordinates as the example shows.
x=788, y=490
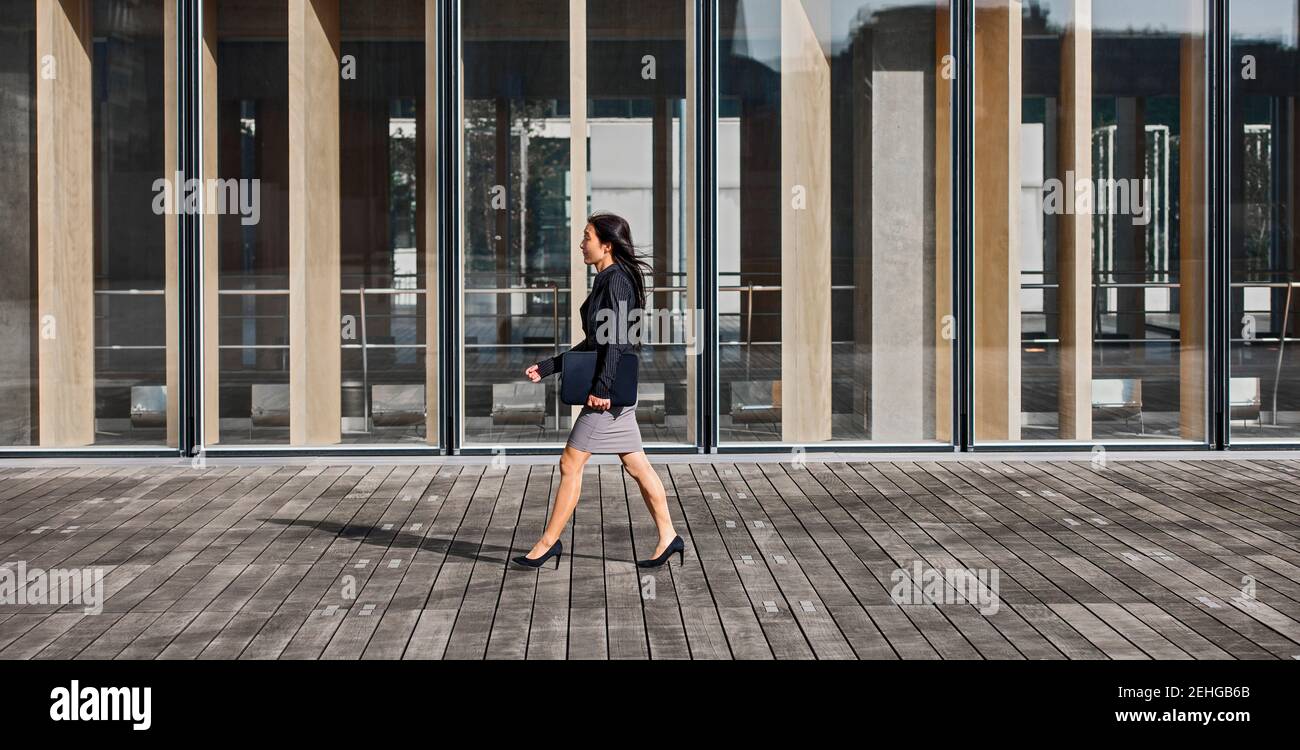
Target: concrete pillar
x=902, y=228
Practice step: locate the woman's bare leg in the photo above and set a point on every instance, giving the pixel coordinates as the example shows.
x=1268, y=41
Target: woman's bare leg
x=652, y=492
x=566, y=499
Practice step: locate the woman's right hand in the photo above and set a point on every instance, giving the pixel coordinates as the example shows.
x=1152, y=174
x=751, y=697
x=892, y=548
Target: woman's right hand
x=531, y=374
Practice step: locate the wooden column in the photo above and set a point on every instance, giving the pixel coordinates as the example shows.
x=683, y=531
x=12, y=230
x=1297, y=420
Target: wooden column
x=1192, y=245
x=997, y=196
x=689, y=208
x=577, y=165
x=315, y=400
x=65, y=209
x=432, y=209
x=211, y=244
x=1074, y=262
x=805, y=230
x=943, y=229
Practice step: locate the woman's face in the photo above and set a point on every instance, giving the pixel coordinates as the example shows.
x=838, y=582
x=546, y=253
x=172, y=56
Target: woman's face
x=593, y=250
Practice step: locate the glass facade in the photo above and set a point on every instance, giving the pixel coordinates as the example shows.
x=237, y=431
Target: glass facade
x=833, y=249
x=389, y=198
x=352, y=217
x=569, y=108
x=1090, y=220
x=1264, y=234
x=88, y=290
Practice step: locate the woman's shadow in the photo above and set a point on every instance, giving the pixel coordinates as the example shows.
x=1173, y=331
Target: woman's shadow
x=376, y=536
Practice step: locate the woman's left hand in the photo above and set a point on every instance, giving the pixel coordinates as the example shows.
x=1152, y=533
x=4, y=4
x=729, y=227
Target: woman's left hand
x=599, y=404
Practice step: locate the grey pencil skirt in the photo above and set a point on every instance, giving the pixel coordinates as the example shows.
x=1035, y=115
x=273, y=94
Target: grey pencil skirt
x=612, y=431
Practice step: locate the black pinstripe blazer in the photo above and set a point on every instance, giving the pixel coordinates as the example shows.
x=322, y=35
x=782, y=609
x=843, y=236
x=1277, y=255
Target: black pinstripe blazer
x=612, y=291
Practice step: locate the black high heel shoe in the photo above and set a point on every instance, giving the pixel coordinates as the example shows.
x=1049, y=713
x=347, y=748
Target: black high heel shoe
x=676, y=545
x=556, y=551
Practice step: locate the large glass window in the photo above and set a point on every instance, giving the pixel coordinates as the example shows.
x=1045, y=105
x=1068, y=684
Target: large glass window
x=249, y=70
x=323, y=278
x=1090, y=231
x=88, y=294
x=1264, y=390
x=833, y=229
x=571, y=107
x=320, y=219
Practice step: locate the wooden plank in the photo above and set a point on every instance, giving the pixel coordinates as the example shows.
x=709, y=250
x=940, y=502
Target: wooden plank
x=154, y=639
x=588, y=637
x=548, y=629
x=510, y=629
x=714, y=584
x=1170, y=538
x=757, y=586
x=1107, y=641
x=488, y=568
x=196, y=635
x=375, y=593
x=86, y=631
x=42, y=633
x=120, y=635
x=321, y=602
x=774, y=541
x=627, y=634
x=665, y=625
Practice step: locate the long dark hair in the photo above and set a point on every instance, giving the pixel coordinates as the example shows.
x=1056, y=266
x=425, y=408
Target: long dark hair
x=614, y=229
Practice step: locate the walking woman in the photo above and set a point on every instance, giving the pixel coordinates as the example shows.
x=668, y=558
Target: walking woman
x=600, y=427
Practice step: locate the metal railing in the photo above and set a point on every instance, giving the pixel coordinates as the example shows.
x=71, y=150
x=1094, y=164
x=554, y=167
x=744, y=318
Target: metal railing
x=554, y=290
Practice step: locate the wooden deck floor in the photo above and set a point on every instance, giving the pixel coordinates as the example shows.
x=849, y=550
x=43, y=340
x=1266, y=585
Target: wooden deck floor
x=1174, y=559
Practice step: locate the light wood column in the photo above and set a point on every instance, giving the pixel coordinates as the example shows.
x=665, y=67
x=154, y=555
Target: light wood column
x=1192, y=245
x=996, y=201
x=211, y=245
x=689, y=208
x=805, y=230
x=315, y=400
x=577, y=166
x=432, y=208
x=64, y=233
x=942, y=228
x=1074, y=264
